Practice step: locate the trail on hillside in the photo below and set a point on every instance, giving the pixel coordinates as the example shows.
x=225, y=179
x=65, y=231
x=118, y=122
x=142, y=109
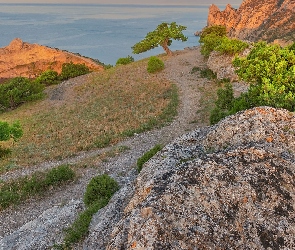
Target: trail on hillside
x=40, y=220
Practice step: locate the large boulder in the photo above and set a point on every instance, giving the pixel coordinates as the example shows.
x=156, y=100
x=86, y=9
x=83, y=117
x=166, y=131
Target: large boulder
x=230, y=186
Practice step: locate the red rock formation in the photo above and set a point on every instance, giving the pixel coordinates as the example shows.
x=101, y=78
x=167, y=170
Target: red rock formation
x=29, y=60
x=254, y=20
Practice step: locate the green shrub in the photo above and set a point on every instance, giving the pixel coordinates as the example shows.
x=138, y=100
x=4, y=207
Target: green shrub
x=210, y=38
x=270, y=70
x=225, y=97
x=214, y=38
x=125, y=60
x=99, y=188
x=48, y=77
x=13, y=131
x=231, y=46
x=80, y=226
x=19, y=90
x=20, y=189
x=98, y=193
x=209, y=43
x=71, y=70
x=217, y=30
x=208, y=73
x=59, y=175
x=155, y=64
x=148, y=155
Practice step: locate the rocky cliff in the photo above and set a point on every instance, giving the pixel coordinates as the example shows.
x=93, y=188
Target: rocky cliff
x=254, y=20
x=29, y=60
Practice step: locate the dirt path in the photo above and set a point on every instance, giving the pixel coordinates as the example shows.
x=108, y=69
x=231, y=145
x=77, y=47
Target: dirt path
x=120, y=167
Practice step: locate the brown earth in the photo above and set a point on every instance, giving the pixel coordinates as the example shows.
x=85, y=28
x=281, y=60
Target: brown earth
x=29, y=60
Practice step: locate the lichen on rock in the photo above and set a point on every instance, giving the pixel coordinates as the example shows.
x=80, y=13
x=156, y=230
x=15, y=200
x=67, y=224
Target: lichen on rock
x=230, y=186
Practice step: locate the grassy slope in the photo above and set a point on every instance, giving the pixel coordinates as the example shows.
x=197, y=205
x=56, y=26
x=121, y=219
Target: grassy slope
x=93, y=114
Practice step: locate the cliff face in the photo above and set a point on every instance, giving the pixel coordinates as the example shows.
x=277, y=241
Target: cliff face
x=254, y=20
x=29, y=60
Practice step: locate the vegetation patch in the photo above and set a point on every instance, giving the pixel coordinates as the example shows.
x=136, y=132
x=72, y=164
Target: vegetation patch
x=155, y=64
x=214, y=38
x=15, y=191
x=148, y=155
x=125, y=60
x=270, y=70
x=98, y=193
x=18, y=91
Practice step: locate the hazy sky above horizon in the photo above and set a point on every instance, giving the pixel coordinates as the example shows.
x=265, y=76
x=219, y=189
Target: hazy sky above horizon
x=172, y=2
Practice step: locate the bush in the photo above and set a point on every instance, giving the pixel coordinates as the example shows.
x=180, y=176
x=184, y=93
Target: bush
x=48, y=77
x=209, y=43
x=214, y=38
x=71, y=70
x=155, y=65
x=270, y=70
x=225, y=97
x=148, y=155
x=59, y=175
x=98, y=193
x=217, y=30
x=13, y=131
x=231, y=46
x=101, y=187
x=210, y=38
x=125, y=60
x=19, y=90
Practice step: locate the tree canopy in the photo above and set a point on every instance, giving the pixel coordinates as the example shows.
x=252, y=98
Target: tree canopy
x=161, y=36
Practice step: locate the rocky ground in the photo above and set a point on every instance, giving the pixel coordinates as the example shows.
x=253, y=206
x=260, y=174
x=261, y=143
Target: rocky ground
x=39, y=223
x=229, y=186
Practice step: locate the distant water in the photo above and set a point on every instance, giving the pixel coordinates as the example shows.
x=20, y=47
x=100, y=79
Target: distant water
x=103, y=32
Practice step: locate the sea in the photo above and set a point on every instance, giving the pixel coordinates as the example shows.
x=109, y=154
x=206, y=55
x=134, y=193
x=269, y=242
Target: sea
x=103, y=32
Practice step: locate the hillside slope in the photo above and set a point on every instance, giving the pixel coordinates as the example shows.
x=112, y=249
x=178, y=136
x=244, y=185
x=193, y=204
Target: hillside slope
x=254, y=20
x=29, y=60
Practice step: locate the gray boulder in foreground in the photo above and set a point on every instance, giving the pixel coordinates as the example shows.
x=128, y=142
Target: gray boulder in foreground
x=230, y=186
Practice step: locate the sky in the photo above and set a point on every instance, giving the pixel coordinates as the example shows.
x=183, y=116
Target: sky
x=172, y=2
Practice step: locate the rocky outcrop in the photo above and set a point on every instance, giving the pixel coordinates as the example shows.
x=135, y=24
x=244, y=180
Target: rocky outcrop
x=230, y=186
x=254, y=20
x=29, y=60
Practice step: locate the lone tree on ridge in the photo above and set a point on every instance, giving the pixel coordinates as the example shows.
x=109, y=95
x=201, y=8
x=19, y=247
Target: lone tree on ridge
x=161, y=36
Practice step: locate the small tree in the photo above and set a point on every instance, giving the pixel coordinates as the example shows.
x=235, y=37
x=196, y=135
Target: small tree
x=161, y=36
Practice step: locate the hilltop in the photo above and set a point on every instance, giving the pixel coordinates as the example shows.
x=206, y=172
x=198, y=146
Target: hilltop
x=20, y=58
x=255, y=20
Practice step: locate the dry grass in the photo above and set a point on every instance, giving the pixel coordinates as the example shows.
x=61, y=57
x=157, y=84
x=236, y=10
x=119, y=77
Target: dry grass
x=95, y=113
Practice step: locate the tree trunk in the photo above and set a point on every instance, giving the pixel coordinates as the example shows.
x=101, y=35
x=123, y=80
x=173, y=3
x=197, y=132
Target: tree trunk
x=166, y=48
